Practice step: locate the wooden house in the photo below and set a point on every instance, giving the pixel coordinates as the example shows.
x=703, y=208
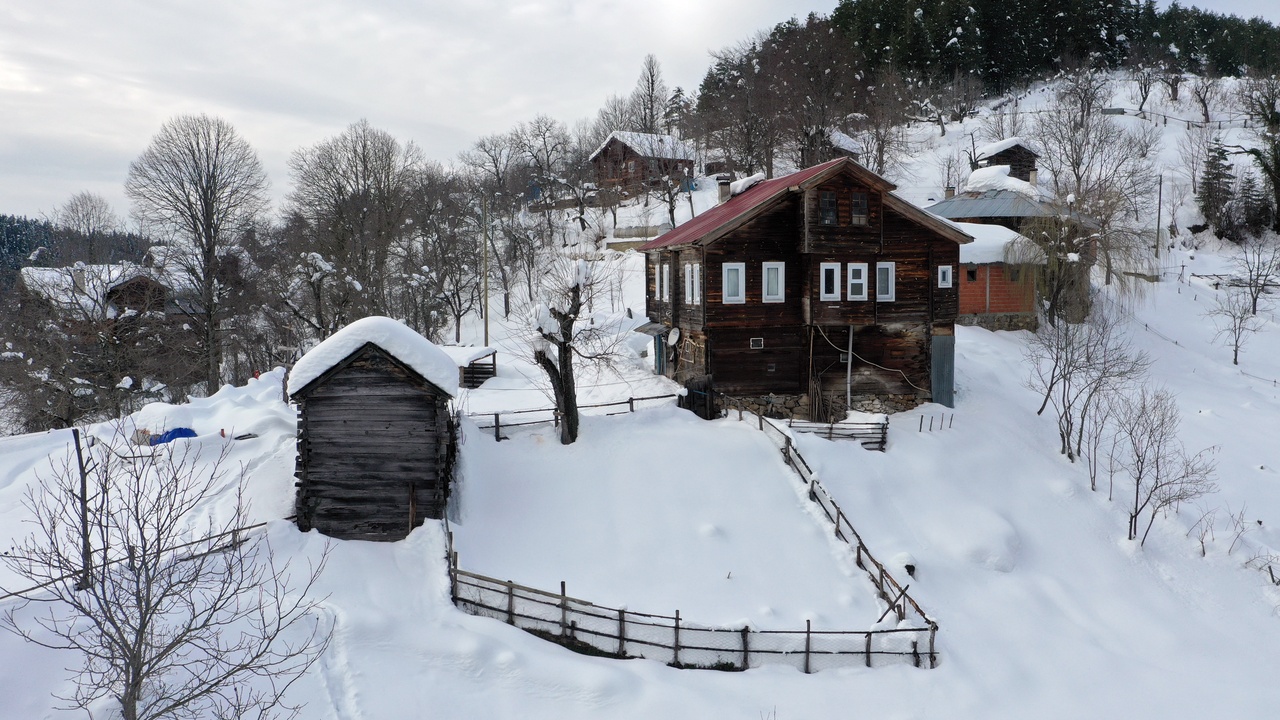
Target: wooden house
x=632, y=160
x=1013, y=152
x=475, y=364
x=375, y=433
x=808, y=294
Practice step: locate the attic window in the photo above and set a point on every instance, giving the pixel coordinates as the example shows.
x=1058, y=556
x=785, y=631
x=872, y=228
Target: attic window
x=858, y=208
x=827, y=207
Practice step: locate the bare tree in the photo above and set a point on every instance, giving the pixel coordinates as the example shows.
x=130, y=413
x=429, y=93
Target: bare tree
x=1076, y=366
x=1257, y=265
x=1005, y=121
x=1158, y=467
x=565, y=331
x=173, y=616
x=1193, y=148
x=1236, y=320
x=1144, y=77
x=649, y=99
x=1104, y=170
x=89, y=216
x=1208, y=94
x=202, y=182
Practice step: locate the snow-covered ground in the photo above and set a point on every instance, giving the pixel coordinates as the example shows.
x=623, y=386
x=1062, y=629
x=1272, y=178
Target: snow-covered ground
x=1046, y=610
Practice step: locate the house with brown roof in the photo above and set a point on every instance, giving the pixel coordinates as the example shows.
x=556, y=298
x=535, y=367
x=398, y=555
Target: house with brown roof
x=632, y=160
x=809, y=294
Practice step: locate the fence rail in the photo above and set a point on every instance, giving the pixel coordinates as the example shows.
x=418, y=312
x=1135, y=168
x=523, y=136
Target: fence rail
x=620, y=633
x=890, y=590
x=542, y=416
x=872, y=435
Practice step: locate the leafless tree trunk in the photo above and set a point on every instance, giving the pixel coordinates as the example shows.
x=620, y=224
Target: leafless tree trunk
x=202, y=182
x=167, y=625
x=1257, y=263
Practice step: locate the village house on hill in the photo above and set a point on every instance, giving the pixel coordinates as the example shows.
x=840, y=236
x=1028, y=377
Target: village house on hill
x=809, y=293
x=633, y=160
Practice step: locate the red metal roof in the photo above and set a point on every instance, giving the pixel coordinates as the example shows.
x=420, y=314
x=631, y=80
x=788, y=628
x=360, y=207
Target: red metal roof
x=736, y=207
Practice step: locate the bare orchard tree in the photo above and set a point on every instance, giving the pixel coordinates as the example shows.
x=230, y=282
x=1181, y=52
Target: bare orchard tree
x=89, y=216
x=1106, y=171
x=1160, y=470
x=1257, y=265
x=1208, y=93
x=172, y=615
x=201, y=182
x=565, y=331
x=1075, y=366
x=1235, y=319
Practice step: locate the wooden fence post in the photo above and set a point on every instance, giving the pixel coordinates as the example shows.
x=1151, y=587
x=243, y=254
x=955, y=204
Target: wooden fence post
x=86, y=550
x=622, y=632
x=675, y=648
x=511, y=603
x=453, y=576
x=868, y=651
x=631, y=404
x=746, y=648
x=813, y=496
x=808, y=641
x=860, y=565
x=497, y=423
x=839, y=516
x=933, y=659
x=915, y=653
x=564, y=609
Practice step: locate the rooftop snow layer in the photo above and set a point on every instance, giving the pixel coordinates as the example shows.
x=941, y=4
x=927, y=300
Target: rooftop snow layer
x=666, y=147
x=989, y=243
x=999, y=146
x=395, y=338
x=463, y=356
x=997, y=177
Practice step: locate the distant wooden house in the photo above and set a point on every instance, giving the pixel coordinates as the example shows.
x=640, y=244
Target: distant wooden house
x=997, y=279
x=475, y=364
x=807, y=293
x=375, y=434
x=633, y=160
x=1013, y=152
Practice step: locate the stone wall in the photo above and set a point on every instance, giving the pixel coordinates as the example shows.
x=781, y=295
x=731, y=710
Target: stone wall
x=1000, y=321
x=798, y=406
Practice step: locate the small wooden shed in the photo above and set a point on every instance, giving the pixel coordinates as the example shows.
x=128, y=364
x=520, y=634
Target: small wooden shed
x=475, y=364
x=376, y=439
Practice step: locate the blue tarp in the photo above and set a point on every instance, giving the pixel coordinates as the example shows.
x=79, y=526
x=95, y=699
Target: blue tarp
x=171, y=435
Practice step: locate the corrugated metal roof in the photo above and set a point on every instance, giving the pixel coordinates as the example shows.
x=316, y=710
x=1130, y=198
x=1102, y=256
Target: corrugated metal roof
x=992, y=204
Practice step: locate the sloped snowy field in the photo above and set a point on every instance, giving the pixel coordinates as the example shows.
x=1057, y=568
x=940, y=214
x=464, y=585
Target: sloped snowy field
x=1045, y=609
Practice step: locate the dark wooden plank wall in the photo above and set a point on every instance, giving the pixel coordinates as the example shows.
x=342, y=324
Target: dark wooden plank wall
x=1020, y=160
x=899, y=346
x=374, y=448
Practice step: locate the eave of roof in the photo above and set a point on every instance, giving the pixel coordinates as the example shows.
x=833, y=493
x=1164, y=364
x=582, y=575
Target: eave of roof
x=740, y=209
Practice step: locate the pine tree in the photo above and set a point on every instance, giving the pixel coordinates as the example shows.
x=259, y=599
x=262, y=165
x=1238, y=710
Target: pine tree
x=1216, y=187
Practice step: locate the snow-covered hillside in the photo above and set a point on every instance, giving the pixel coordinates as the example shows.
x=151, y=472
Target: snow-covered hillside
x=1045, y=609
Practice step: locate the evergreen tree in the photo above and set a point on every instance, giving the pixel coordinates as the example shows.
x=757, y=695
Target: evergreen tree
x=1216, y=188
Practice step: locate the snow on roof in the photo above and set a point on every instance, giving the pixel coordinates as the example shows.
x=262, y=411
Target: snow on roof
x=463, y=356
x=990, y=243
x=737, y=187
x=997, y=177
x=666, y=147
x=999, y=146
x=396, y=339
x=844, y=142
x=82, y=285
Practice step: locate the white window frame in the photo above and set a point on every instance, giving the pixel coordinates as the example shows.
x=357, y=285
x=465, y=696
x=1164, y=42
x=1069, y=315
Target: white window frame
x=697, y=283
x=741, y=297
x=861, y=269
x=779, y=296
x=666, y=282
x=945, y=276
x=688, y=284
x=823, y=295
x=886, y=292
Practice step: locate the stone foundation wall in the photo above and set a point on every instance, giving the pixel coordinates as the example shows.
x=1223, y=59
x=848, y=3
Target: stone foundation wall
x=1000, y=321
x=798, y=406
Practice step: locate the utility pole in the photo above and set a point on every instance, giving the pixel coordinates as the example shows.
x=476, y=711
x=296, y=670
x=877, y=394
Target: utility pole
x=1159, y=219
x=484, y=278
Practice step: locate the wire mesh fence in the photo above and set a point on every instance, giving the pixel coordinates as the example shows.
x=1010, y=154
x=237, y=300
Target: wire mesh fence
x=670, y=639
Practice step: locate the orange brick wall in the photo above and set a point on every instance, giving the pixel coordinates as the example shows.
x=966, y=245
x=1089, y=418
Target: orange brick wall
x=1005, y=295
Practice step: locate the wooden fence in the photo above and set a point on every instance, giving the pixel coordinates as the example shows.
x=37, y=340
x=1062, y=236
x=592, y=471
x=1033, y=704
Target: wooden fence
x=592, y=629
x=889, y=589
x=540, y=416
x=872, y=435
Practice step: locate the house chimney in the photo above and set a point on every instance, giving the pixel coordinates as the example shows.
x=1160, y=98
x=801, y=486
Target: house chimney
x=950, y=192
x=77, y=278
x=1031, y=178
x=722, y=184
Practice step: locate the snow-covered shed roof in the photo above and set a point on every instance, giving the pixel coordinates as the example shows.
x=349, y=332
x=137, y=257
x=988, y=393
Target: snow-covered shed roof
x=1000, y=146
x=990, y=243
x=665, y=147
x=464, y=356
x=996, y=177
x=392, y=337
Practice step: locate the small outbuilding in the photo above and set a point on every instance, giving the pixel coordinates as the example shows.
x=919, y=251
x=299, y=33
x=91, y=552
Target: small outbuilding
x=376, y=438
x=998, y=273
x=475, y=364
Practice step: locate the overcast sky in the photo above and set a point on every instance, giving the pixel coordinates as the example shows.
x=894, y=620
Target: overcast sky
x=84, y=84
